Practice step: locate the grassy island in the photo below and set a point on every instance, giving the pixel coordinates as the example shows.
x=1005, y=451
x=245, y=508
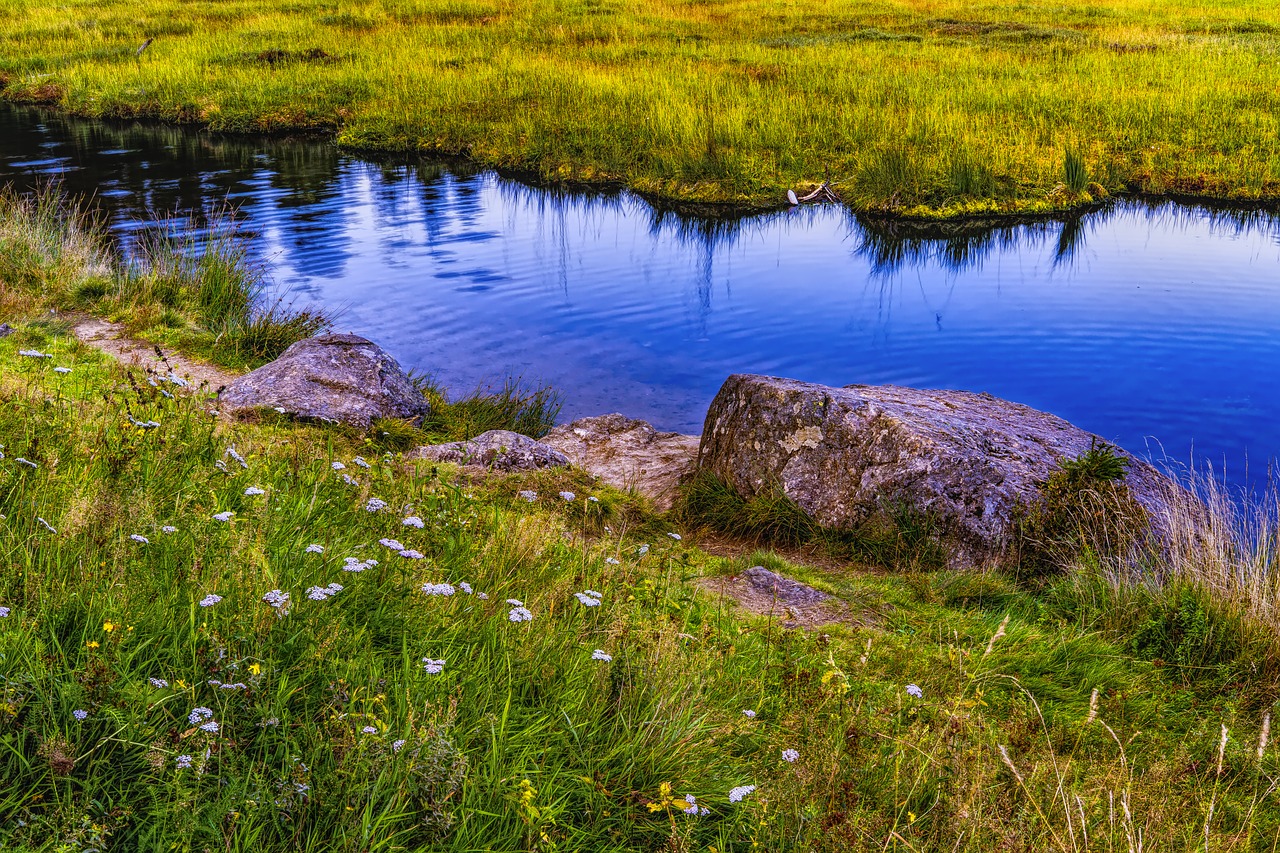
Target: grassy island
x=934, y=108
x=270, y=636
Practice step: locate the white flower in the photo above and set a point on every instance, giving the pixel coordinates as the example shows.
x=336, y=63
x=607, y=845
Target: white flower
x=27, y=462
x=338, y=466
x=375, y=505
x=592, y=593
x=277, y=599
x=790, y=755
x=80, y=715
x=137, y=537
x=168, y=528
x=694, y=810
x=210, y=600
x=515, y=602
x=280, y=409
x=158, y=683
x=4, y=612
x=413, y=521
x=253, y=491
x=396, y=745
x=437, y=589
x=349, y=480
x=369, y=730
x=211, y=727
x=675, y=536
x=239, y=685
x=34, y=353
x=410, y=554
x=47, y=525
x=593, y=499
x=62, y=370
x=465, y=587
x=748, y=713
x=319, y=593
x=586, y=600
x=315, y=549
x=359, y=460
x=642, y=550
x=393, y=544
x=231, y=451
x=354, y=564
x=433, y=667
x=613, y=562
x=528, y=495
x=224, y=516
x=520, y=614
x=913, y=690
x=601, y=654
x=483, y=596
x=199, y=715
x=569, y=496
x=736, y=795
x=182, y=762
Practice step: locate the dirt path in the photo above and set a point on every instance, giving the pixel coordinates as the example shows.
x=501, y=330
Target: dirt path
x=111, y=339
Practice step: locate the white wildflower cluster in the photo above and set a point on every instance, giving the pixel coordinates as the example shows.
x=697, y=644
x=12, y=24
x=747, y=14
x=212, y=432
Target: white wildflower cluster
x=411, y=554
x=253, y=491
x=80, y=715
x=349, y=480
x=613, y=561
x=914, y=690
x=143, y=424
x=210, y=600
x=321, y=593
x=693, y=809
x=393, y=544
x=568, y=496
x=277, y=599
x=748, y=713
x=47, y=526
x=23, y=461
x=528, y=495
x=520, y=613
x=168, y=528
x=601, y=654
x=338, y=466
x=34, y=353
x=588, y=598
x=315, y=549
x=355, y=564
x=642, y=550
x=231, y=451
x=593, y=499
x=375, y=505
x=432, y=666
x=62, y=370
x=396, y=745
x=675, y=536
x=483, y=596
x=182, y=762
x=223, y=516
x=465, y=587
x=199, y=715
x=369, y=730
x=413, y=521
x=736, y=794
x=4, y=612
x=790, y=756
x=230, y=685
x=158, y=683
x=138, y=537
x=445, y=589
x=359, y=461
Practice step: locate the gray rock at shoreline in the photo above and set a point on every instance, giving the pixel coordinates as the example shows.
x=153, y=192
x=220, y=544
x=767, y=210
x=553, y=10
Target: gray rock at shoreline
x=497, y=449
x=342, y=378
x=628, y=453
x=844, y=454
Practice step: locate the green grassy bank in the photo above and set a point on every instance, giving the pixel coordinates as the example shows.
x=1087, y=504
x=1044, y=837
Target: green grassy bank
x=209, y=641
x=913, y=107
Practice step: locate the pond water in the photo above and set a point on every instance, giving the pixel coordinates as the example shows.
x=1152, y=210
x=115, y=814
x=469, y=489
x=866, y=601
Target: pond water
x=1156, y=326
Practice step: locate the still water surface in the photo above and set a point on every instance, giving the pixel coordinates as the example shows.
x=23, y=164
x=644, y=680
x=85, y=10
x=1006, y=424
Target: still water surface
x=1155, y=326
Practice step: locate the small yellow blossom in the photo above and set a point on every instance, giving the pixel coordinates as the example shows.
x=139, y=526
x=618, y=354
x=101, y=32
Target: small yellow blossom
x=92, y=644
x=254, y=668
x=108, y=626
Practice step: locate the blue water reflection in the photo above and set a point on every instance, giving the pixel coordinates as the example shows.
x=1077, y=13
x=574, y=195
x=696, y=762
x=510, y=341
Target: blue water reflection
x=1152, y=325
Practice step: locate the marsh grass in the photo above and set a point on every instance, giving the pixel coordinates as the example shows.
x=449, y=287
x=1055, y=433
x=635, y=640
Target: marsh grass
x=201, y=290
x=514, y=405
x=690, y=102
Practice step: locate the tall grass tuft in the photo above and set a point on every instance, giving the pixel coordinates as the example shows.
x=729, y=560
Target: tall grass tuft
x=530, y=411
x=1075, y=175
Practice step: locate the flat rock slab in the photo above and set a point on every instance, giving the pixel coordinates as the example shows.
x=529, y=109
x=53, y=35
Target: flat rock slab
x=628, y=453
x=497, y=449
x=337, y=378
x=844, y=454
x=766, y=593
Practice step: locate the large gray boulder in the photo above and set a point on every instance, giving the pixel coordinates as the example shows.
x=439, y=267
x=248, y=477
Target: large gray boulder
x=497, y=449
x=845, y=454
x=329, y=378
x=628, y=454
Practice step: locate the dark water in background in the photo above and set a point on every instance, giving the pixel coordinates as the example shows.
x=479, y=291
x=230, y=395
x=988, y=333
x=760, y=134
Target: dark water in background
x=1153, y=326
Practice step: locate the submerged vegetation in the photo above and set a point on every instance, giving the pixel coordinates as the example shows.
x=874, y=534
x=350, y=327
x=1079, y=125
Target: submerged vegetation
x=925, y=109
x=277, y=636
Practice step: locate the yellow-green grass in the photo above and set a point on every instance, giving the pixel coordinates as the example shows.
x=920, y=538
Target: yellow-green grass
x=915, y=107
